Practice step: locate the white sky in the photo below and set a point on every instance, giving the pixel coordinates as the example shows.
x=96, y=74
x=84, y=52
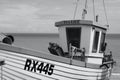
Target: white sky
x=39, y=16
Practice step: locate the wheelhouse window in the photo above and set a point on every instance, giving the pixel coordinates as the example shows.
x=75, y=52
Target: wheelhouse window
x=73, y=36
x=102, y=42
x=95, y=41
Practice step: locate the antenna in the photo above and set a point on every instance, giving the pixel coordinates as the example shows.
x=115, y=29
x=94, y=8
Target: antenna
x=75, y=9
x=84, y=10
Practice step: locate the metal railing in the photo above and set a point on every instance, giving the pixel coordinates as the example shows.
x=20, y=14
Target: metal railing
x=73, y=50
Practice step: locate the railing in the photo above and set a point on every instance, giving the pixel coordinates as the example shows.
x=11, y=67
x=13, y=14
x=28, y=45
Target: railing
x=73, y=50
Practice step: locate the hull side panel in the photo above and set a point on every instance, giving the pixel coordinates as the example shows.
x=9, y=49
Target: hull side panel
x=15, y=63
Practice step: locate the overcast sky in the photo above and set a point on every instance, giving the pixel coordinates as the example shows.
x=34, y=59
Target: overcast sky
x=39, y=16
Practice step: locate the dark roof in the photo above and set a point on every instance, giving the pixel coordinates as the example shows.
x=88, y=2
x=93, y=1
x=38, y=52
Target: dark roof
x=79, y=22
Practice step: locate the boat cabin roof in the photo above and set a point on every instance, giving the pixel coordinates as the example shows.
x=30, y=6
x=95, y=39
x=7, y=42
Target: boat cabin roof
x=79, y=22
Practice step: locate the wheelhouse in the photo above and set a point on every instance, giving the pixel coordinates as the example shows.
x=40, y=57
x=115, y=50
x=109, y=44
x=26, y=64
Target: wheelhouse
x=83, y=34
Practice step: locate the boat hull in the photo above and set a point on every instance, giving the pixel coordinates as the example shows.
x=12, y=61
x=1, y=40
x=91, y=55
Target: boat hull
x=26, y=67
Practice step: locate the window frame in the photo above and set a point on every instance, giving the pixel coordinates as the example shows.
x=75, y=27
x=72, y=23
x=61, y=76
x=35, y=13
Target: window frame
x=70, y=32
x=102, y=41
x=95, y=41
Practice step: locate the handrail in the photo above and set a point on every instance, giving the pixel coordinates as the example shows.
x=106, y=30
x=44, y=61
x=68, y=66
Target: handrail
x=72, y=52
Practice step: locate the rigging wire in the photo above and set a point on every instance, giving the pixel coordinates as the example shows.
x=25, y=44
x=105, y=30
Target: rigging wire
x=86, y=4
x=94, y=9
x=84, y=10
x=105, y=13
x=75, y=9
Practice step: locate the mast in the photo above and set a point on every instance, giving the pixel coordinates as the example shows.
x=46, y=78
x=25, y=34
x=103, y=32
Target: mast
x=105, y=13
x=94, y=14
x=95, y=17
x=84, y=10
x=75, y=9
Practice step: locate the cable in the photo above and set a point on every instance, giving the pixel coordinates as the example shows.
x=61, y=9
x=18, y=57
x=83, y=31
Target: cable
x=84, y=10
x=94, y=9
x=75, y=9
x=105, y=13
x=86, y=4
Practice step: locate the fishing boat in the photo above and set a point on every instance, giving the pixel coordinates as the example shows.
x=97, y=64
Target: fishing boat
x=81, y=55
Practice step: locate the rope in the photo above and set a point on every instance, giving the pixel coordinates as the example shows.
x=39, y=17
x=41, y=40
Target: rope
x=105, y=13
x=94, y=9
x=75, y=9
x=86, y=4
x=84, y=10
